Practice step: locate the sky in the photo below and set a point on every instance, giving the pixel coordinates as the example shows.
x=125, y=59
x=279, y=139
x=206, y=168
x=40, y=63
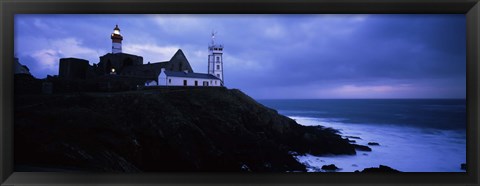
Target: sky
x=316, y=56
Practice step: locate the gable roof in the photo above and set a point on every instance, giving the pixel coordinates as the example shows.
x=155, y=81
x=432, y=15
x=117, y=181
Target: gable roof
x=190, y=75
x=179, y=62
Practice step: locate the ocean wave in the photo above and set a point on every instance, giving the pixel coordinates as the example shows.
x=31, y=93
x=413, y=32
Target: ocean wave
x=402, y=147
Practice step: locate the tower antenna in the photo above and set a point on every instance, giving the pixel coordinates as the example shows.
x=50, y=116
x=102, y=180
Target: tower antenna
x=213, y=37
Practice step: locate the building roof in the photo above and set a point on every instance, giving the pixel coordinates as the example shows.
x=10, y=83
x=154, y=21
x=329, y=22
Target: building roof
x=120, y=54
x=116, y=27
x=179, y=62
x=73, y=59
x=190, y=75
x=147, y=70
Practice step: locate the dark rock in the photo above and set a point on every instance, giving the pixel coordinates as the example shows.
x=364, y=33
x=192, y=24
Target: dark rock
x=330, y=167
x=373, y=144
x=362, y=148
x=463, y=166
x=381, y=168
x=177, y=129
x=353, y=137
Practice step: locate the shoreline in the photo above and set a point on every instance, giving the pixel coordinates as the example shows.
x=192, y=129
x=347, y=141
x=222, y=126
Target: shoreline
x=381, y=153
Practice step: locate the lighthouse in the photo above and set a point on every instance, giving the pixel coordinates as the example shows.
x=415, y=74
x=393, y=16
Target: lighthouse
x=116, y=40
x=215, y=59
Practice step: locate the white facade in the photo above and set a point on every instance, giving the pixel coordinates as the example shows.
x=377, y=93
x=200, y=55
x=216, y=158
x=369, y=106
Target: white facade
x=214, y=77
x=182, y=81
x=162, y=78
x=165, y=80
x=215, y=59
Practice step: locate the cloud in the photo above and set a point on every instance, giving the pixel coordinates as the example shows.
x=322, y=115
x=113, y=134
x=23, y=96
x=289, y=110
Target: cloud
x=180, y=24
x=151, y=52
x=274, y=55
x=352, y=90
x=242, y=64
x=73, y=47
x=275, y=32
x=40, y=24
x=46, y=58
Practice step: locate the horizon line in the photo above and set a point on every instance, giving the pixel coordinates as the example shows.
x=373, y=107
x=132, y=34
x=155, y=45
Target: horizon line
x=344, y=98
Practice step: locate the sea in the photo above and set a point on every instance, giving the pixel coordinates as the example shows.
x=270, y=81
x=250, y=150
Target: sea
x=414, y=135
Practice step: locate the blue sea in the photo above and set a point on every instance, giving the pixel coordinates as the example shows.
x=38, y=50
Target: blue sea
x=415, y=135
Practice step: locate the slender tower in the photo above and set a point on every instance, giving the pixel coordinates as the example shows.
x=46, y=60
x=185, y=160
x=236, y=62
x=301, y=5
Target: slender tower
x=116, y=40
x=215, y=59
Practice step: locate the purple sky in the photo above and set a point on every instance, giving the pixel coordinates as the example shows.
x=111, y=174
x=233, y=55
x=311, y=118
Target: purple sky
x=273, y=56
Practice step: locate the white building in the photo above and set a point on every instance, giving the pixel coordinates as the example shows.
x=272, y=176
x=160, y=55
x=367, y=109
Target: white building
x=175, y=72
x=175, y=78
x=215, y=59
x=214, y=77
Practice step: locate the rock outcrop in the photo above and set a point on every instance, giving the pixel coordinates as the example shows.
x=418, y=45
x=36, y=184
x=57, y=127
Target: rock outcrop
x=171, y=129
x=330, y=167
x=381, y=169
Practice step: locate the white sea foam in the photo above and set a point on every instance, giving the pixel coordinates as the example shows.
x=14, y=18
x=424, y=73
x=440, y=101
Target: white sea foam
x=406, y=149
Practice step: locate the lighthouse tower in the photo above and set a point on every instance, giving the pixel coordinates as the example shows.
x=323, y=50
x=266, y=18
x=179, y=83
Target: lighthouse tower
x=215, y=59
x=116, y=40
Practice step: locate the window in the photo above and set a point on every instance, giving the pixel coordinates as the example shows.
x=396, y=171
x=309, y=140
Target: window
x=169, y=81
x=218, y=67
x=218, y=75
x=184, y=82
x=218, y=59
x=196, y=83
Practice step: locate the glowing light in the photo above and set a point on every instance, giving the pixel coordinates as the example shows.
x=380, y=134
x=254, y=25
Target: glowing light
x=117, y=32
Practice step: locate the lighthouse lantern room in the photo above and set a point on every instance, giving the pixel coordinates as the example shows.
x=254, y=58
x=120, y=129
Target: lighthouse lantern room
x=116, y=40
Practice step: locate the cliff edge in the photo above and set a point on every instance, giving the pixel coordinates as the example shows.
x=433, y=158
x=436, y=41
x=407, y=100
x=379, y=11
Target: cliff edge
x=169, y=129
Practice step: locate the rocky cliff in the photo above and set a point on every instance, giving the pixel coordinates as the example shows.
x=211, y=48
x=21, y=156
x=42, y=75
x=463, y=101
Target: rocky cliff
x=176, y=129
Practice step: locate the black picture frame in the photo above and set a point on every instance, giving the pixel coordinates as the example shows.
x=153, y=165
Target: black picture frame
x=8, y=9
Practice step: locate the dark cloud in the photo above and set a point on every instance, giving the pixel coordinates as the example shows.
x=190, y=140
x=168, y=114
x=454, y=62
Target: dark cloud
x=426, y=53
